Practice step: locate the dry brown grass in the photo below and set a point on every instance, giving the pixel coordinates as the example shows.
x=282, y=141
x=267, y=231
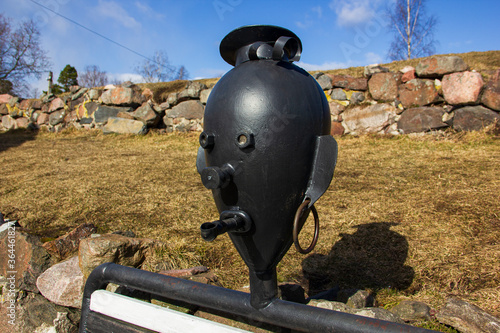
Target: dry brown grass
x=482, y=62
x=409, y=217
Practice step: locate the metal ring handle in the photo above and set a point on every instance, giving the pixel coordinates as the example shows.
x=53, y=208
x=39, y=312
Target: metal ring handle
x=298, y=215
x=288, y=46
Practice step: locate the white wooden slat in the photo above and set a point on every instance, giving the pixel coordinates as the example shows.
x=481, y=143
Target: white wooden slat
x=151, y=316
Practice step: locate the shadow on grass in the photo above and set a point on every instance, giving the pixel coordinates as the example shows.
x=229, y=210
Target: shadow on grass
x=15, y=138
x=372, y=257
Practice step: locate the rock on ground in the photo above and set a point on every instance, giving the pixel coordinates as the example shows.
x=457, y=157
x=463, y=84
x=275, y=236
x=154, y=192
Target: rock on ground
x=104, y=112
x=467, y=318
x=474, y=118
x=324, y=81
x=337, y=129
x=113, y=248
x=422, y=119
x=491, y=93
x=63, y=283
x=34, y=313
x=368, y=119
x=31, y=259
x=146, y=114
x=375, y=313
x=417, y=92
x=439, y=66
x=67, y=245
x=124, y=126
x=462, y=88
x=349, y=82
x=187, y=110
x=124, y=96
x=384, y=86
x=412, y=311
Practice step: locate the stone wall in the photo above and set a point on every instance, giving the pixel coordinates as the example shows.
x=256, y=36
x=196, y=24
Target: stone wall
x=439, y=93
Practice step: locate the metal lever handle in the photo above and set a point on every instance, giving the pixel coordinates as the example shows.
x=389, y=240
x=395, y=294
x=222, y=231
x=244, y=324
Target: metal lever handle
x=215, y=177
x=230, y=220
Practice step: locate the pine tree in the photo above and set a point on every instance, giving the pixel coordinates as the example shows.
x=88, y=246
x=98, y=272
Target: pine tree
x=68, y=77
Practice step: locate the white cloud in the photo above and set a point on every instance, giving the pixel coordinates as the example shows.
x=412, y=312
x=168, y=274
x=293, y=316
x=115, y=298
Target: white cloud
x=302, y=25
x=373, y=58
x=323, y=67
x=318, y=10
x=354, y=12
x=122, y=77
x=147, y=10
x=309, y=20
x=113, y=10
x=209, y=73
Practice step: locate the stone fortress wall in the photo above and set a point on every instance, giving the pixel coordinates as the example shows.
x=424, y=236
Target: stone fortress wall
x=441, y=92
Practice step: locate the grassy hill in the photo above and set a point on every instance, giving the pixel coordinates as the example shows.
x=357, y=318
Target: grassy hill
x=484, y=62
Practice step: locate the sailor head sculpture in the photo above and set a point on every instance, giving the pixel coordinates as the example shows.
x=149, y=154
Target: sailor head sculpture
x=266, y=151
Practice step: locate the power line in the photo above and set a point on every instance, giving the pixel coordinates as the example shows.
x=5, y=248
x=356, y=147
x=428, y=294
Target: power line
x=98, y=34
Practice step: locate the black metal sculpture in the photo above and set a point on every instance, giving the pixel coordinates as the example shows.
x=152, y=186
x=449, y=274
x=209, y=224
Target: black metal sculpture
x=266, y=150
x=267, y=155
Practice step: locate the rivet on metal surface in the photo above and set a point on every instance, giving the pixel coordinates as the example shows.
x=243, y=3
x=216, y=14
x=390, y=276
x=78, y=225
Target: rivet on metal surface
x=207, y=140
x=245, y=140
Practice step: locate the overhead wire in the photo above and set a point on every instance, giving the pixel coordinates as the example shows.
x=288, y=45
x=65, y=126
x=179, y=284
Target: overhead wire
x=96, y=33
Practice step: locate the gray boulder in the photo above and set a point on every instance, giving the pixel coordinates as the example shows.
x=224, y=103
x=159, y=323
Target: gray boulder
x=338, y=94
x=439, y=66
x=325, y=82
x=357, y=97
x=79, y=93
x=204, y=94
x=378, y=313
x=124, y=126
x=467, y=318
x=369, y=70
x=188, y=110
x=57, y=117
x=361, y=299
x=113, y=248
x=422, y=119
x=9, y=123
x=104, y=112
x=474, y=118
x=412, y=311
x=146, y=114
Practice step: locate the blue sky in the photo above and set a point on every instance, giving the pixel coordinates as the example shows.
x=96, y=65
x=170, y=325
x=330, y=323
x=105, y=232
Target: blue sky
x=334, y=33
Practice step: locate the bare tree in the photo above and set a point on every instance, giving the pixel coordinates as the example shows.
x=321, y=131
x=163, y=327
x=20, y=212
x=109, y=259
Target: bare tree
x=157, y=68
x=413, y=30
x=182, y=74
x=21, y=55
x=92, y=76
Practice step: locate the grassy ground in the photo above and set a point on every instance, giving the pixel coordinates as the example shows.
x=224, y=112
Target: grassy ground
x=483, y=62
x=411, y=217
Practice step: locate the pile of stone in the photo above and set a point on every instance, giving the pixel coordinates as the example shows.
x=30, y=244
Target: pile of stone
x=440, y=92
x=43, y=291
x=126, y=109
